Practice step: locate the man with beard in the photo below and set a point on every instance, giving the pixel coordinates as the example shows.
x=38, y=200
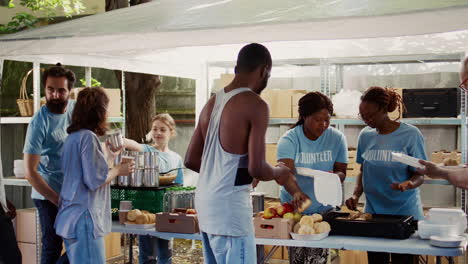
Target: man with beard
x=228, y=150
x=42, y=153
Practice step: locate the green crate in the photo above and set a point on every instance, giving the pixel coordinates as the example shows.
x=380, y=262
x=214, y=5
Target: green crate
x=149, y=200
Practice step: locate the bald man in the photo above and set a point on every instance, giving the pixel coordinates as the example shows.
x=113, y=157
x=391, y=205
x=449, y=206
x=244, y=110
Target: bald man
x=457, y=177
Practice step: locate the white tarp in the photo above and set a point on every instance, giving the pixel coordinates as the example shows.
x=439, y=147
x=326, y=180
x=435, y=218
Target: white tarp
x=174, y=37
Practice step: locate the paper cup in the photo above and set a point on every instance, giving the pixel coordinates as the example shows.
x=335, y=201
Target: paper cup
x=123, y=216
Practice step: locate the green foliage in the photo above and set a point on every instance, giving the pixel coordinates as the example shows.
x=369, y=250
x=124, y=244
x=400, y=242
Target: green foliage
x=49, y=7
x=18, y=22
x=94, y=82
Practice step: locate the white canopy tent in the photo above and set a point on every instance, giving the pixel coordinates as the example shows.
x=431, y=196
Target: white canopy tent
x=178, y=37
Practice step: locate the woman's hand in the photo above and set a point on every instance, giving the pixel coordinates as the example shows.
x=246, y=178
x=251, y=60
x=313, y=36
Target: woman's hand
x=255, y=182
x=298, y=199
x=403, y=186
x=124, y=169
x=113, y=151
x=352, y=202
x=432, y=170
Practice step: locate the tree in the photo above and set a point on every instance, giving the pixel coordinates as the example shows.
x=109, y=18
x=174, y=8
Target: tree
x=140, y=89
x=49, y=8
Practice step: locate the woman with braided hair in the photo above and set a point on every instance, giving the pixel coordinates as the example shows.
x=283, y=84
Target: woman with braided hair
x=390, y=187
x=312, y=143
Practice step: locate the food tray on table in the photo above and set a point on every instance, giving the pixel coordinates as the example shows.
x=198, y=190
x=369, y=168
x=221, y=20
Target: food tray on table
x=309, y=237
x=140, y=226
x=386, y=226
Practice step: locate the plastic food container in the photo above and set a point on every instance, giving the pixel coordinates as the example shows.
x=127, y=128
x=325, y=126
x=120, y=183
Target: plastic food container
x=426, y=230
x=309, y=237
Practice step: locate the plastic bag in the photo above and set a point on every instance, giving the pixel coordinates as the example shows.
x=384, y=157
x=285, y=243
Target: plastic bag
x=346, y=103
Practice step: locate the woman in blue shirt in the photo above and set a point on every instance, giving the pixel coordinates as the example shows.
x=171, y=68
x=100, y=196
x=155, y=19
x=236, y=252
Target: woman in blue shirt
x=390, y=187
x=84, y=214
x=312, y=143
x=162, y=130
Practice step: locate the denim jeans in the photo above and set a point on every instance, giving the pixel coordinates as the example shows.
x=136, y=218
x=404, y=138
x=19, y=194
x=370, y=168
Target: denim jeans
x=152, y=248
x=9, y=251
x=84, y=248
x=228, y=249
x=51, y=242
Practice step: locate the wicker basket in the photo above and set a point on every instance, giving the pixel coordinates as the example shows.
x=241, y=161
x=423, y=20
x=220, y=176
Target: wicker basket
x=26, y=105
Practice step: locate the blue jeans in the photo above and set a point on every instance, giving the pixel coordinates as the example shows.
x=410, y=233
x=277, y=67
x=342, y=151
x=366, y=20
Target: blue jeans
x=51, y=242
x=228, y=249
x=152, y=247
x=84, y=248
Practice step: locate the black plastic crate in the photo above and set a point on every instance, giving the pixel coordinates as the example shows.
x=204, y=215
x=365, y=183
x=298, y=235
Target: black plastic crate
x=387, y=226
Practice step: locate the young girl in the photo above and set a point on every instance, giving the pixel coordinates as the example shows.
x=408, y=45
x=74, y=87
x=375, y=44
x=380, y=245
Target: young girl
x=313, y=144
x=84, y=215
x=391, y=187
x=163, y=129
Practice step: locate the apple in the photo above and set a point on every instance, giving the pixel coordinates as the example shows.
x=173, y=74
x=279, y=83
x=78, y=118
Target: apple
x=297, y=216
x=288, y=207
x=280, y=210
x=288, y=215
x=191, y=211
x=269, y=213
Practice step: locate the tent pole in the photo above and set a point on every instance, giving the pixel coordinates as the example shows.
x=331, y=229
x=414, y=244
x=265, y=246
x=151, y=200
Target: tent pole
x=88, y=76
x=201, y=90
x=124, y=105
x=36, y=85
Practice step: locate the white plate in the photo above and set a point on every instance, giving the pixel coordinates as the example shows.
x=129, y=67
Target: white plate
x=327, y=186
x=408, y=160
x=309, y=237
x=448, y=242
x=141, y=226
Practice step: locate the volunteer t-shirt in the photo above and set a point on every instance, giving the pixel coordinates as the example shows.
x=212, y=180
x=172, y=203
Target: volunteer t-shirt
x=320, y=154
x=380, y=171
x=46, y=134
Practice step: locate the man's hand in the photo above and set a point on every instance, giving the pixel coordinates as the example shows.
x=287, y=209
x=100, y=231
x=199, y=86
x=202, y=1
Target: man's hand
x=283, y=174
x=403, y=186
x=11, y=210
x=298, y=199
x=352, y=202
x=431, y=170
x=255, y=182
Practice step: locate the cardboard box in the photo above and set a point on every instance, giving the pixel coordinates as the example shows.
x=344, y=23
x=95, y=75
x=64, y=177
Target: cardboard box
x=296, y=96
x=278, y=254
x=26, y=225
x=112, y=245
x=270, y=154
x=279, y=102
x=28, y=252
x=114, y=100
x=278, y=228
x=439, y=156
x=177, y=223
x=395, y=114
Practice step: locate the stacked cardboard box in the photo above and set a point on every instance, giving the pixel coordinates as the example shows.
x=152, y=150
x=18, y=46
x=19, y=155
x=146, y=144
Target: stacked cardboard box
x=270, y=154
x=113, y=109
x=353, y=167
x=26, y=231
x=283, y=103
x=439, y=156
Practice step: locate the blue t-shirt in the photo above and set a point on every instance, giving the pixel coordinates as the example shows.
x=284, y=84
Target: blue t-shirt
x=380, y=171
x=45, y=137
x=168, y=161
x=320, y=154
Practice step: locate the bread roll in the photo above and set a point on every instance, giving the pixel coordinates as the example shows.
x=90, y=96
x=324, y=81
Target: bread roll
x=296, y=228
x=307, y=220
x=323, y=227
x=450, y=162
x=317, y=217
x=304, y=205
x=145, y=212
x=306, y=230
x=132, y=215
x=141, y=219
